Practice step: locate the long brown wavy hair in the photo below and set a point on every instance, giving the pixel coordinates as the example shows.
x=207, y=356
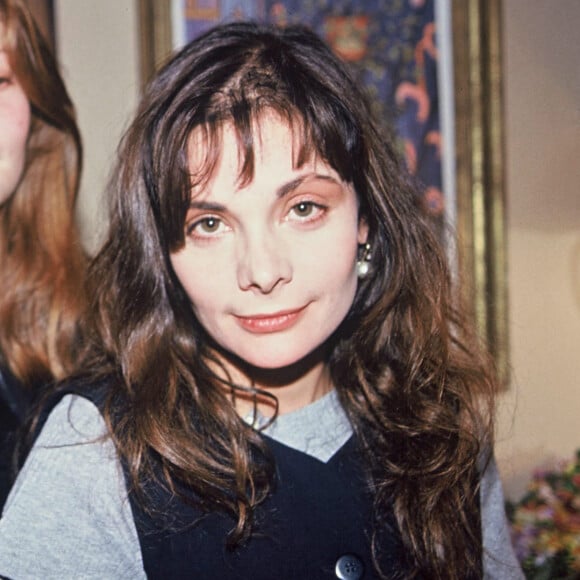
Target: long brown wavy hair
x=407, y=368
x=42, y=261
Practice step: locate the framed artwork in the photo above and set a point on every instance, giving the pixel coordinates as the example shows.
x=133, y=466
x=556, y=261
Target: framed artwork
x=433, y=71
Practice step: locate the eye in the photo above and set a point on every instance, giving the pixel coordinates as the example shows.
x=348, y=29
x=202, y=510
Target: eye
x=209, y=225
x=306, y=211
x=206, y=227
x=303, y=209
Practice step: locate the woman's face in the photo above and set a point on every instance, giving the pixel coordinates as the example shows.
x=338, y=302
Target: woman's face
x=270, y=266
x=14, y=128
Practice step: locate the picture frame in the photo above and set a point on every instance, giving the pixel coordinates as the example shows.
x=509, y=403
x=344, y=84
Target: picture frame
x=470, y=85
x=480, y=172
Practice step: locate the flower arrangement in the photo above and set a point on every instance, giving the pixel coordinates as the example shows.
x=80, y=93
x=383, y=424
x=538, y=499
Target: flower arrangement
x=545, y=524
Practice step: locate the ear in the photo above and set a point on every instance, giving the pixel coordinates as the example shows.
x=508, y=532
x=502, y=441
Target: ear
x=363, y=231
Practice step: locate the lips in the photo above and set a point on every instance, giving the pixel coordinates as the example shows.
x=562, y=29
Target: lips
x=268, y=323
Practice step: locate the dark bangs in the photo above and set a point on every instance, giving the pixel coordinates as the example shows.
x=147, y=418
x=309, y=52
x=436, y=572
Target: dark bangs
x=268, y=73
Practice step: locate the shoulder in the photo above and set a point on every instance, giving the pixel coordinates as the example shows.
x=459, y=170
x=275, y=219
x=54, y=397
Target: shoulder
x=73, y=468
x=74, y=419
x=71, y=445
x=499, y=560
x=70, y=409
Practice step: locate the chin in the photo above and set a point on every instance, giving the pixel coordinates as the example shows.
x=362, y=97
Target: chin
x=272, y=361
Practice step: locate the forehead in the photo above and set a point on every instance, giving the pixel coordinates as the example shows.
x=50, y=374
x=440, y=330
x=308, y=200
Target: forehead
x=226, y=138
x=240, y=151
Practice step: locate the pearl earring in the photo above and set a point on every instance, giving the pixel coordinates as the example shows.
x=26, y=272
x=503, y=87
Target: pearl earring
x=363, y=265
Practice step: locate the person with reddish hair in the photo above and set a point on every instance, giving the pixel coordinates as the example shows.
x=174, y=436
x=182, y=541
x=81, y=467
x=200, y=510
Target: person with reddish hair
x=42, y=263
x=278, y=381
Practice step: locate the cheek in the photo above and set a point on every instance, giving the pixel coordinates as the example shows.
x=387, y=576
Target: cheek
x=12, y=162
x=14, y=129
x=201, y=279
x=19, y=150
x=22, y=131
x=332, y=258
x=15, y=120
x=332, y=274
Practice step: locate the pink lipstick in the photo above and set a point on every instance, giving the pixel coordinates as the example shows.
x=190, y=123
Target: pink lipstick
x=267, y=323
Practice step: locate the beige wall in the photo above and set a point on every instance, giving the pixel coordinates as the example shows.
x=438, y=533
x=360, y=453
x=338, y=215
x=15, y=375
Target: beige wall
x=541, y=414
x=541, y=418
x=97, y=45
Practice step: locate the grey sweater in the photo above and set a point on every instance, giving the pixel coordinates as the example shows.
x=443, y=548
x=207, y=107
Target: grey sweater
x=68, y=515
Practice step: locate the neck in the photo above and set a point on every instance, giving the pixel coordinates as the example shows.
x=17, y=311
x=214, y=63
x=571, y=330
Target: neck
x=293, y=387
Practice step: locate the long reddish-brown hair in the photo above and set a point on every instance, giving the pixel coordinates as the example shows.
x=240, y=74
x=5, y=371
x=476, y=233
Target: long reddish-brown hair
x=412, y=378
x=42, y=263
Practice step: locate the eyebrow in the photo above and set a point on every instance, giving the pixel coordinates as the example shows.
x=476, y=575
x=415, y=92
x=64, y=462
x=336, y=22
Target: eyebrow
x=289, y=187
x=281, y=192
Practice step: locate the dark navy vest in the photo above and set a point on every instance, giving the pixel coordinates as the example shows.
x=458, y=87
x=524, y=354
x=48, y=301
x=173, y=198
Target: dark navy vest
x=316, y=519
x=316, y=524
x=14, y=402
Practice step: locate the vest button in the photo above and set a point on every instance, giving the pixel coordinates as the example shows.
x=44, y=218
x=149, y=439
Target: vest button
x=349, y=567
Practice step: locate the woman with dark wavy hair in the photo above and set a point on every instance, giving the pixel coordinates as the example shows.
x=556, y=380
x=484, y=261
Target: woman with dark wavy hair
x=41, y=260
x=279, y=384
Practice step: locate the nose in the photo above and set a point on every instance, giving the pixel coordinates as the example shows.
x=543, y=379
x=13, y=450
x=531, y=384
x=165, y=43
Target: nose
x=263, y=265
